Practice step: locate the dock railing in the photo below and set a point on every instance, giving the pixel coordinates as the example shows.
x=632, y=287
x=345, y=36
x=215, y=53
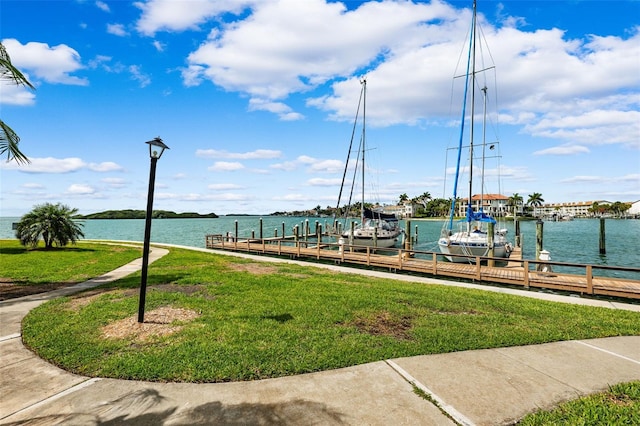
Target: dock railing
x=593, y=280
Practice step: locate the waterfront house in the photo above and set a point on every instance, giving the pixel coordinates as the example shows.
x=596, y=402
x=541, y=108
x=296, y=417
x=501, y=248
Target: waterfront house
x=496, y=205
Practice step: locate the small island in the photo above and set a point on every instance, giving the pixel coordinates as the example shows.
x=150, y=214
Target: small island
x=140, y=214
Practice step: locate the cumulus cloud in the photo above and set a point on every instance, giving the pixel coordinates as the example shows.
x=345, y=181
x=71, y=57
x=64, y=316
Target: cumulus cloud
x=250, y=155
x=80, y=189
x=53, y=64
x=274, y=50
x=563, y=150
x=224, y=186
x=225, y=166
x=117, y=30
x=59, y=165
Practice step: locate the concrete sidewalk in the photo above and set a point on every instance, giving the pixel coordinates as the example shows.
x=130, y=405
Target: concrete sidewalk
x=484, y=387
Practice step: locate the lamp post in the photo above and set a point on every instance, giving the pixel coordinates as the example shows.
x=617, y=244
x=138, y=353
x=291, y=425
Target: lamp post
x=156, y=148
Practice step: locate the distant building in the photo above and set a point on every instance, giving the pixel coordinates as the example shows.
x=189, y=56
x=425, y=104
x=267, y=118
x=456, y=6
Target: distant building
x=496, y=205
x=573, y=209
x=404, y=210
x=634, y=211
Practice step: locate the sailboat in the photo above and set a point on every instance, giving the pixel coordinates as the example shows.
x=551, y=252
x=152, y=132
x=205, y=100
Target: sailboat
x=376, y=229
x=476, y=234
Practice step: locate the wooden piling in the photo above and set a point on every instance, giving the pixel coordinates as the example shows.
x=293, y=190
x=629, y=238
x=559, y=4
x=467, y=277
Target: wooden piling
x=490, y=242
x=603, y=249
x=539, y=238
x=518, y=241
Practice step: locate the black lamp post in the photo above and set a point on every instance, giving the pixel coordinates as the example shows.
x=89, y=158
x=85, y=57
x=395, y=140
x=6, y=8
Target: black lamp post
x=156, y=148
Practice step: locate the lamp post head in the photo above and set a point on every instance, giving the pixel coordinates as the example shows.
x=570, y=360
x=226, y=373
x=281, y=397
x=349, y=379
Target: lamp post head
x=156, y=147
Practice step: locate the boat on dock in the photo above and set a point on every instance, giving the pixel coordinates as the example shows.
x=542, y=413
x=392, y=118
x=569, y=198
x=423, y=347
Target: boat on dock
x=477, y=234
x=375, y=229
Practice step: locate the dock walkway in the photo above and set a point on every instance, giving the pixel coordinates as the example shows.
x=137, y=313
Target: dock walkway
x=515, y=272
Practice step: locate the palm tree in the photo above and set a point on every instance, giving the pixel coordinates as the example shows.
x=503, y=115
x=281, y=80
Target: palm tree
x=8, y=138
x=53, y=223
x=404, y=197
x=514, y=201
x=535, y=200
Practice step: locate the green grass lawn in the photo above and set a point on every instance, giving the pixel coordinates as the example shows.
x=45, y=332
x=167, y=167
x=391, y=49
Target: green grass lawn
x=236, y=319
x=617, y=407
x=25, y=270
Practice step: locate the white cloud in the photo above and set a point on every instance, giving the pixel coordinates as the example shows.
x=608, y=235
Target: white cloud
x=16, y=95
x=80, y=189
x=107, y=166
x=251, y=155
x=225, y=166
x=563, y=150
x=117, y=30
x=59, y=165
x=282, y=110
x=170, y=15
x=224, y=186
x=136, y=74
x=324, y=182
x=103, y=6
x=52, y=64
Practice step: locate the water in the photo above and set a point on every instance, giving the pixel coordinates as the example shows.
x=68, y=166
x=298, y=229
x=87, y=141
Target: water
x=575, y=241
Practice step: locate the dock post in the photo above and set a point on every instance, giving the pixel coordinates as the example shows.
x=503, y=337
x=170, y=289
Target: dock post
x=603, y=249
x=261, y=229
x=236, y=230
x=490, y=242
x=415, y=238
x=284, y=234
x=319, y=233
x=539, y=238
x=295, y=234
x=353, y=230
x=275, y=232
x=518, y=241
x=407, y=238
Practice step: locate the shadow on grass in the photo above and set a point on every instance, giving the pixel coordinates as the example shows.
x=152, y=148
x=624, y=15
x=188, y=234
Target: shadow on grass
x=23, y=250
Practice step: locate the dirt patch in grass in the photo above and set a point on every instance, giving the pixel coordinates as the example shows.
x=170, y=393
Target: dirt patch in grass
x=384, y=324
x=254, y=268
x=157, y=323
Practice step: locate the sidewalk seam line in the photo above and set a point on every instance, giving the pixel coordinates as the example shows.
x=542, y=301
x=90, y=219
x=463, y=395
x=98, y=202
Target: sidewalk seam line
x=10, y=336
x=58, y=395
x=607, y=351
x=451, y=411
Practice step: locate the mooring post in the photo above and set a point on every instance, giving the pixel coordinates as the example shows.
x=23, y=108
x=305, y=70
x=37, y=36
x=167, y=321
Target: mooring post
x=603, y=249
x=415, y=238
x=261, y=228
x=539, y=239
x=407, y=239
x=283, y=233
x=518, y=242
x=319, y=233
x=490, y=242
x=236, y=231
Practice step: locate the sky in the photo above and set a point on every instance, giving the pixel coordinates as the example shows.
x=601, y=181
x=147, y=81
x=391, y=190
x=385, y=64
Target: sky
x=256, y=100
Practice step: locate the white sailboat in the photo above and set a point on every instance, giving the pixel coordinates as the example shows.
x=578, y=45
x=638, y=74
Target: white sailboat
x=376, y=229
x=476, y=234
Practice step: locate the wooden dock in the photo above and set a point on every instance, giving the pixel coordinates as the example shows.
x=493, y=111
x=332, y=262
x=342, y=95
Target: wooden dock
x=582, y=279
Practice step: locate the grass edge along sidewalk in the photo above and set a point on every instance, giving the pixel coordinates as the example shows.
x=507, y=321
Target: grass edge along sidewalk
x=263, y=319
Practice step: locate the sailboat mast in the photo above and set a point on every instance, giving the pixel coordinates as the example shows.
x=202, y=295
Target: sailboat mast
x=473, y=110
x=454, y=200
x=364, y=118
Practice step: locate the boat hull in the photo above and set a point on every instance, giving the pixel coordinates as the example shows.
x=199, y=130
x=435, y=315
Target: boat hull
x=467, y=246
x=369, y=238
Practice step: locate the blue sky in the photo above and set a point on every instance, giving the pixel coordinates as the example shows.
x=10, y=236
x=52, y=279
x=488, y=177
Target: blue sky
x=256, y=100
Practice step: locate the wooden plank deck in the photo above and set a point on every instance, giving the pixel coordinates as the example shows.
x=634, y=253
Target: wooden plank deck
x=514, y=272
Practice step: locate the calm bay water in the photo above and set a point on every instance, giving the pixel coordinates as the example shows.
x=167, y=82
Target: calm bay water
x=574, y=242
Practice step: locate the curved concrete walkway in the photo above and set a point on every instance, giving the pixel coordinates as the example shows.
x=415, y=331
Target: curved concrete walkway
x=484, y=387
